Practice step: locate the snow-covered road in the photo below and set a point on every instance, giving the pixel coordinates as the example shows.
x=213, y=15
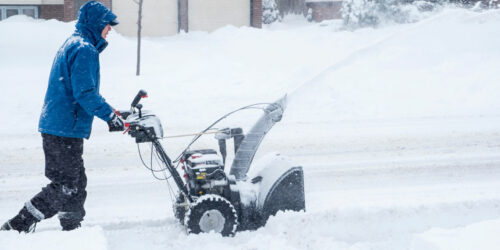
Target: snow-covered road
x=367, y=191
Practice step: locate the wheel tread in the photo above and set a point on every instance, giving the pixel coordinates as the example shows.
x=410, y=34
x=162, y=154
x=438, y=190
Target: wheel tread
x=211, y=198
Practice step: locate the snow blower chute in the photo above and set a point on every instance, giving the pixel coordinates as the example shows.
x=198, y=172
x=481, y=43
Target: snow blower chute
x=209, y=198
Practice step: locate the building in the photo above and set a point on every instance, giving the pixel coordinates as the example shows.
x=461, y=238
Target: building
x=168, y=17
x=325, y=9
x=63, y=10
x=160, y=17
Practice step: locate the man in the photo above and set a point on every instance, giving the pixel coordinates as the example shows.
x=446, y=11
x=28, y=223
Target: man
x=71, y=102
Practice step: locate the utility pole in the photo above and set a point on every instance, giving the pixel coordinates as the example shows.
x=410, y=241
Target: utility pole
x=139, y=30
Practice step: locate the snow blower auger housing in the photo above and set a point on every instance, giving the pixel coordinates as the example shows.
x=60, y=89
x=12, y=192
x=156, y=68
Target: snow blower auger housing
x=210, y=198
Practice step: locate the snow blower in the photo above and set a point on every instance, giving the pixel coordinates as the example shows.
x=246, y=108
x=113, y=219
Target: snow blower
x=209, y=198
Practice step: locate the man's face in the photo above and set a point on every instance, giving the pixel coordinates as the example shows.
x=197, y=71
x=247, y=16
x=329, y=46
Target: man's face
x=105, y=31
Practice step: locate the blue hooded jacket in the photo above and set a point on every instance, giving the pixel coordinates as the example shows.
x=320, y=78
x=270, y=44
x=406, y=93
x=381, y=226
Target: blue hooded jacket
x=72, y=99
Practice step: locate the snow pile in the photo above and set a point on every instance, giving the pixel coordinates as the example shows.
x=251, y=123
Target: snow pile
x=82, y=239
x=427, y=69
x=483, y=235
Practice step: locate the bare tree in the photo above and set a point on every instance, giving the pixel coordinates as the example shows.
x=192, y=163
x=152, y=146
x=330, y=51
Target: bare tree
x=139, y=30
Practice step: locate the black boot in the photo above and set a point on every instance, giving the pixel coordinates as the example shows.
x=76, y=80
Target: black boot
x=70, y=226
x=70, y=220
x=24, y=221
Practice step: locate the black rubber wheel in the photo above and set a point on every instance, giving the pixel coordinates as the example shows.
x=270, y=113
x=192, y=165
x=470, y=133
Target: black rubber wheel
x=180, y=210
x=212, y=213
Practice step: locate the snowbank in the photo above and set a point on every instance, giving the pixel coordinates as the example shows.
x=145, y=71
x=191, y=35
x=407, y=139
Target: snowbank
x=82, y=239
x=482, y=235
x=426, y=69
x=444, y=66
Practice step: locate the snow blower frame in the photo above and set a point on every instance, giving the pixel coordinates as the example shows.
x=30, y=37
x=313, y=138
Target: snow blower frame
x=209, y=199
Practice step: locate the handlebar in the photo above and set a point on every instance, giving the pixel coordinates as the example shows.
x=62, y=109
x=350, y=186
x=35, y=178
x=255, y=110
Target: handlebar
x=142, y=94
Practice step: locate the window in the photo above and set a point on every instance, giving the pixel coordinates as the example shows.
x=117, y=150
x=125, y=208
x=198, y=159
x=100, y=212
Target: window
x=11, y=12
x=29, y=12
x=8, y=11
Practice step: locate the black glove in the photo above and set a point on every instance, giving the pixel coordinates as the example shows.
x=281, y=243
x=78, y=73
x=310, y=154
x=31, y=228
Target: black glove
x=115, y=123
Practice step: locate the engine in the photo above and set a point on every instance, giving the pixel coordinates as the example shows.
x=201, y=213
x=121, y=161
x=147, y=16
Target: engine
x=204, y=172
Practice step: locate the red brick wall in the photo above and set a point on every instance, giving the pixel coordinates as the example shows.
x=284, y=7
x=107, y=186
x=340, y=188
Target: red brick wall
x=52, y=12
x=69, y=9
x=257, y=13
x=107, y=3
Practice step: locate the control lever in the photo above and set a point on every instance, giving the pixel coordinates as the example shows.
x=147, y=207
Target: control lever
x=142, y=94
x=139, y=107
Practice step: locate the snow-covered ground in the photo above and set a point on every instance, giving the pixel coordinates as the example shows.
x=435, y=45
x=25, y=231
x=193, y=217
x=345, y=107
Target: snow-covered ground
x=397, y=128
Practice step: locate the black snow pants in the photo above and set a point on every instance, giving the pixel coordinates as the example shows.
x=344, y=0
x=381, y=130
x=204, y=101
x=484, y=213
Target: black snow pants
x=65, y=195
